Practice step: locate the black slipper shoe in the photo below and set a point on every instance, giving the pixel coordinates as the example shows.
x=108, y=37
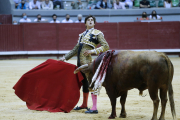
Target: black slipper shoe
x=91, y=112
x=79, y=108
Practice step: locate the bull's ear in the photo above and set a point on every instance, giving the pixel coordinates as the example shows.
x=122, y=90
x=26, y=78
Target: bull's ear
x=80, y=68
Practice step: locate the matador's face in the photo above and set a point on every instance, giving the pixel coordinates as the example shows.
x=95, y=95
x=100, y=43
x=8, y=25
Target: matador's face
x=90, y=22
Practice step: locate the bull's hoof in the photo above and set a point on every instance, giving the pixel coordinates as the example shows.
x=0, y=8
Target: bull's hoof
x=111, y=117
x=154, y=119
x=161, y=119
x=123, y=115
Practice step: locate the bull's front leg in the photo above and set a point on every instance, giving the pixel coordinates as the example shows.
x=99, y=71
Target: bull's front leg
x=123, y=101
x=113, y=104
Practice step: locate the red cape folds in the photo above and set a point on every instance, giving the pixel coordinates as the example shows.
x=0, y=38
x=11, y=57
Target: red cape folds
x=51, y=86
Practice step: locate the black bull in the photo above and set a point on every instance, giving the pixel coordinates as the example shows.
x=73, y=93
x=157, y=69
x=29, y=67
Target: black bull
x=142, y=70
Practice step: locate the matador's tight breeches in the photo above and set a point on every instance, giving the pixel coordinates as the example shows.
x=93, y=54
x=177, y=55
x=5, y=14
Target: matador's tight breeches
x=85, y=83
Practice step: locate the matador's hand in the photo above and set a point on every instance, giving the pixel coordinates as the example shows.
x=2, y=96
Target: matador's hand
x=87, y=52
x=62, y=59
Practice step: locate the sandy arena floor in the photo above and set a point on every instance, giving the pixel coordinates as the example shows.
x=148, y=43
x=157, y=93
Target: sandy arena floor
x=137, y=107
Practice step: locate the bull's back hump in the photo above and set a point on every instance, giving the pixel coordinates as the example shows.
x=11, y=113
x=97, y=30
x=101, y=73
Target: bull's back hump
x=138, y=56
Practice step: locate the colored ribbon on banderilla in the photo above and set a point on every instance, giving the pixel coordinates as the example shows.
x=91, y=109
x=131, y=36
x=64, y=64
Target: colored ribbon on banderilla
x=100, y=73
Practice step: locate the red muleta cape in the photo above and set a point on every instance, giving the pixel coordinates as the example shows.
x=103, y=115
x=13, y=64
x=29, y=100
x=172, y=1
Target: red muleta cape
x=51, y=86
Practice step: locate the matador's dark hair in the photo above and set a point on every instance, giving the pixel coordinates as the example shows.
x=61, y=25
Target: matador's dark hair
x=89, y=17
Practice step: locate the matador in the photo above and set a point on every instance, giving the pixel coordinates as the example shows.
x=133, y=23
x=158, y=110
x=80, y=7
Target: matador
x=87, y=45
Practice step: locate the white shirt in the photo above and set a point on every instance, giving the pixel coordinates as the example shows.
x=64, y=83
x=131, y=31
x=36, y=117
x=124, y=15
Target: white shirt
x=35, y=20
x=77, y=21
x=64, y=21
x=57, y=21
x=47, y=6
x=32, y=5
x=87, y=31
x=167, y=5
x=23, y=20
x=120, y=6
x=90, y=30
x=158, y=17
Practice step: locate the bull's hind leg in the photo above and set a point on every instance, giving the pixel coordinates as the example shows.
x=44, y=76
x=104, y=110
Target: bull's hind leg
x=123, y=101
x=153, y=91
x=113, y=104
x=163, y=96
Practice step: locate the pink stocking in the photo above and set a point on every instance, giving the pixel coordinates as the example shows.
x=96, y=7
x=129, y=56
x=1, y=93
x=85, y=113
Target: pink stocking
x=94, y=99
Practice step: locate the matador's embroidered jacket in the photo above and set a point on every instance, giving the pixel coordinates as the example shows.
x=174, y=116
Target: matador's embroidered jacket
x=88, y=41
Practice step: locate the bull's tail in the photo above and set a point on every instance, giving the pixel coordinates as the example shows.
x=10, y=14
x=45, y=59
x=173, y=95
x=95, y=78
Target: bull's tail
x=170, y=88
x=171, y=100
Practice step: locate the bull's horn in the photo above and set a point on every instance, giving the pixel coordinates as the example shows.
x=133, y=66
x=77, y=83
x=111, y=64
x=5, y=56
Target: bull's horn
x=80, y=68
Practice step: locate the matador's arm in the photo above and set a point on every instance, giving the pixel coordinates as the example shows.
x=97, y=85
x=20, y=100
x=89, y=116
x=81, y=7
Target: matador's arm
x=72, y=52
x=104, y=45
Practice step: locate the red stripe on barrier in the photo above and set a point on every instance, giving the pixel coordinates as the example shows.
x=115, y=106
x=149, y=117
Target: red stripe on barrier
x=133, y=35
x=68, y=35
x=40, y=36
x=164, y=35
x=11, y=38
x=64, y=36
x=6, y=19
